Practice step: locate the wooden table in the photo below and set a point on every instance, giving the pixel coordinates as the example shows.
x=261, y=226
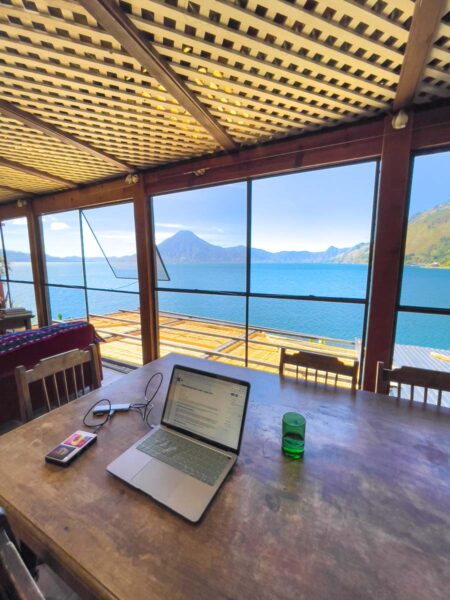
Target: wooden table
x=365, y=514
x=14, y=321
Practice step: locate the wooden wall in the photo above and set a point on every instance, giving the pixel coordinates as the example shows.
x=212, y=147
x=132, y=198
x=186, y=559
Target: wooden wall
x=427, y=130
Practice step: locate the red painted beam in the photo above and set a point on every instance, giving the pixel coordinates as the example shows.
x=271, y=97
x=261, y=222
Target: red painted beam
x=431, y=128
x=336, y=154
x=147, y=275
x=388, y=248
x=328, y=140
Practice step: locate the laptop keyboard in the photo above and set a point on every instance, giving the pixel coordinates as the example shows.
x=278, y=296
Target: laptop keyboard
x=190, y=458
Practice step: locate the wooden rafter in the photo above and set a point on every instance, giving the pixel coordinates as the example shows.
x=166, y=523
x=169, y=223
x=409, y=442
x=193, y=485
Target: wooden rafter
x=13, y=112
x=116, y=23
x=426, y=18
x=4, y=162
x=16, y=190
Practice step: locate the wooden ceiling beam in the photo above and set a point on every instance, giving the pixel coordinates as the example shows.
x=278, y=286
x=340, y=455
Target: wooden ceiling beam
x=426, y=18
x=115, y=22
x=16, y=190
x=4, y=162
x=13, y=112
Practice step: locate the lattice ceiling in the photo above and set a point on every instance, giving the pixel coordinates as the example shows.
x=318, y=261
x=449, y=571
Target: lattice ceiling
x=261, y=69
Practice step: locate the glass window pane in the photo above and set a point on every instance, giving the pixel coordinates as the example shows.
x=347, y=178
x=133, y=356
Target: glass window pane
x=17, y=250
x=66, y=303
x=116, y=318
x=325, y=327
x=110, y=247
x=20, y=295
x=426, y=275
x=423, y=341
x=311, y=232
x=201, y=236
x=62, y=242
x=202, y=325
x=424, y=331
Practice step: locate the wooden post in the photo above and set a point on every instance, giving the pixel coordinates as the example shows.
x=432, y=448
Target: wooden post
x=388, y=247
x=147, y=274
x=38, y=265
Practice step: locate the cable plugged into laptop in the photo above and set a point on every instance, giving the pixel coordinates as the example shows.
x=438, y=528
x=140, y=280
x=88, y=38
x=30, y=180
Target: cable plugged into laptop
x=104, y=407
x=145, y=408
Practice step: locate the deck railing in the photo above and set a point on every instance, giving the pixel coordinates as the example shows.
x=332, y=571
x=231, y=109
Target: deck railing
x=185, y=326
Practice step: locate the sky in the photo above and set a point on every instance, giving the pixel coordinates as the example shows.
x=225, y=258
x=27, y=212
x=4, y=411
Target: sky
x=430, y=182
x=113, y=226
x=304, y=211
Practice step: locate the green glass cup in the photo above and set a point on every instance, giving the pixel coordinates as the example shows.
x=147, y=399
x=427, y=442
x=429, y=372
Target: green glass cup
x=293, y=441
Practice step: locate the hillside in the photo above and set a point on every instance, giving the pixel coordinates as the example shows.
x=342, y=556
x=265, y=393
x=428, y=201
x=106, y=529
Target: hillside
x=428, y=238
x=186, y=247
x=428, y=244
x=17, y=256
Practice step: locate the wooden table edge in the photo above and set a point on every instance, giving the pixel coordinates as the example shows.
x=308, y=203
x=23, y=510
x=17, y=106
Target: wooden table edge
x=87, y=586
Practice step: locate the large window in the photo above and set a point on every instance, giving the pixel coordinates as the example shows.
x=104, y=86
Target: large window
x=423, y=320
x=201, y=236
x=279, y=261
x=16, y=274
x=92, y=274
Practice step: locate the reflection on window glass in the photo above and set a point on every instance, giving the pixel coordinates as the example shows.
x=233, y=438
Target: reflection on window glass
x=98, y=243
x=15, y=266
x=62, y=243
x=311, y=232
x=201, y=236
x=313, y=319
x=422, y=330
x=202, y=325
x=426, y=274
x=117, y=320
x=66, y=303
x=20, y=295
x=110, y=247
x=17, y=250
x=423, y=341
x=323, y=327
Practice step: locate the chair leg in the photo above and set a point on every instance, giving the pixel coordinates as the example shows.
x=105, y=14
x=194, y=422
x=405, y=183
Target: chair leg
x=30, y=559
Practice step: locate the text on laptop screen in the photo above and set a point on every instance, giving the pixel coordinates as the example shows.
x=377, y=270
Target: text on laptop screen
x=207, y=406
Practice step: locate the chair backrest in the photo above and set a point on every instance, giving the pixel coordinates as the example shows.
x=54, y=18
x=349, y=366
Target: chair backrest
x=413, y=377
x=62, y=378
x=319, y=363
x=16, y=582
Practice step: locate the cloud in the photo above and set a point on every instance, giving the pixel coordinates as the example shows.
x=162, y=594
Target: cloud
x=22, y=221
x=59, y=226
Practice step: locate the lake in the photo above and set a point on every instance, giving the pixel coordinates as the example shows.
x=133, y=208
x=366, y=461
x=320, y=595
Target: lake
x=421, y=287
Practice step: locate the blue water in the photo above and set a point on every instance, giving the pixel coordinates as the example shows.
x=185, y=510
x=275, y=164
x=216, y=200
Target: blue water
x=421, y=287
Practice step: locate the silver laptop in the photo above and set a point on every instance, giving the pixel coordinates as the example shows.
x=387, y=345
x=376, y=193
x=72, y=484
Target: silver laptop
x=183, y=462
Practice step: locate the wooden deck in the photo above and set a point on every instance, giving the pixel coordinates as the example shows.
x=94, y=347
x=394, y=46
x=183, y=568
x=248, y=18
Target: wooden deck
x=225, y=342
x=215, y=340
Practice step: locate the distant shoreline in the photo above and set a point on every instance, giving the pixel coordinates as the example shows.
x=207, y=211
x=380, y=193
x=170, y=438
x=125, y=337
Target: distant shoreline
x=98, y=259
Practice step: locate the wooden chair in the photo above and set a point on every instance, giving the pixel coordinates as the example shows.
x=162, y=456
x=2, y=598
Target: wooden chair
x=16, y=582
x=319, y=362
x=413, y=377
x=62, y=377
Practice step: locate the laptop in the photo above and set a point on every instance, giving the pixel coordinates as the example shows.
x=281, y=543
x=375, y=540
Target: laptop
x=183, y=462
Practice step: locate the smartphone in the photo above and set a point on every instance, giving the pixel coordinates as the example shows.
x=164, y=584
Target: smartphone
x=102, y=409
x=71, y=448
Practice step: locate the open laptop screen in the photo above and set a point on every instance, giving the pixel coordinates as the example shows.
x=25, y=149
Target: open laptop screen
x=209, y=406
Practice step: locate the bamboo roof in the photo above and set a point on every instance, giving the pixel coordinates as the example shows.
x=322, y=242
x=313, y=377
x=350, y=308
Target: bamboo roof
x=96, y=88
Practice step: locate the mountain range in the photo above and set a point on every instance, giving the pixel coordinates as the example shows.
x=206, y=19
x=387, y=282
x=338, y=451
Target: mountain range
x=186, y=247
x=427, y=244
x=427, y=240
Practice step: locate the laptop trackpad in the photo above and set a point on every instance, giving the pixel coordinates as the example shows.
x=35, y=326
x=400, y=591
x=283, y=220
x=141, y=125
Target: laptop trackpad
x=158, y=480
